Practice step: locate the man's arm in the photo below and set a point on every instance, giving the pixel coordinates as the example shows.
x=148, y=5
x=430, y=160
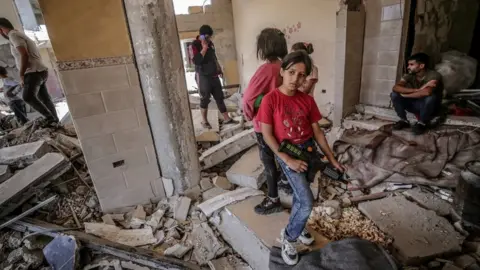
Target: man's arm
x=323, y=143
x=400, y=88
x=24, y=61
x=425, y=91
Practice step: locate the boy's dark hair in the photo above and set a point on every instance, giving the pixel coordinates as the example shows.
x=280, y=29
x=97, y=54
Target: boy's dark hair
x=6, y=23
x=206, y=30
x=421, y=58
x=308, y=47
x=295, y=58
x=271, y=45
x=3, y=71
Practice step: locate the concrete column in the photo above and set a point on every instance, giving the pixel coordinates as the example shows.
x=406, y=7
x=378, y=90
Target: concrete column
x=155, y=41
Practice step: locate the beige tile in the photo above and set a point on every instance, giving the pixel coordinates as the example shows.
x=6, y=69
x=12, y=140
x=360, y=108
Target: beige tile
x=110, y=185
x=116, y=100
x=383, y=87
x=93, y=80
x=152, y=157
x=391, y=43
x=391, y=28
x=132, y=138
x=104, y=166
x=370, y=57
x=386, y=73
x=97, y=147
x=388, y=58
x=85, y=105
x=92, y=126
x=141, y=116
x=133, y=75
x=141, y=175
x=131, y=197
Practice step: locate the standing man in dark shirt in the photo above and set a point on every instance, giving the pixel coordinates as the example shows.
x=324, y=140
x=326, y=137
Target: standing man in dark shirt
x=419, y=92
x=209, y=71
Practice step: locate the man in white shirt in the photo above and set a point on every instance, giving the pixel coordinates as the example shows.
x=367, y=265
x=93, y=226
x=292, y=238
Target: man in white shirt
x=33, y=73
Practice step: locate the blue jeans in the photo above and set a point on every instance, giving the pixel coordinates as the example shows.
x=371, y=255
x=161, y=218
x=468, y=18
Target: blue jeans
x=302, y=194
x=427, y=107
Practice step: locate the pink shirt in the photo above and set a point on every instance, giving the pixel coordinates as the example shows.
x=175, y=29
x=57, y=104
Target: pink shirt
x=266, y=78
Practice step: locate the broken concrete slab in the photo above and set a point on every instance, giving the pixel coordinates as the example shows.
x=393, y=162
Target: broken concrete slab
x=134, y=238
x=168, y=186
x=24, y=153
x=222, y=182
x=181, y=208
x=178, y=250
x=213, y=192
x=154, y=220
x=49, y=164
x=227, y=148
x=204, y=134
x=246, y=232
x=5, y=173
x=212, y=205
x=228, y=263
x=429, y=201
x=419, y=234
x=206, y=184
x=135, y=219
x=248, y=170
x=133, y=266
x=228, y=131
x=206, y=246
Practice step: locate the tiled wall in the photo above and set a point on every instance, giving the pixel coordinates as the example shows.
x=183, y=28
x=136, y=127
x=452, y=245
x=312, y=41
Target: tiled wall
x=383, y=30
x=105, y=100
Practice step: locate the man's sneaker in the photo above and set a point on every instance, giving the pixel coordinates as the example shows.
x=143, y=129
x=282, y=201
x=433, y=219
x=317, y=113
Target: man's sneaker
x=306, y=238
x=289, y=250
x=268, y=206
x=419, y=128
x=401, y=125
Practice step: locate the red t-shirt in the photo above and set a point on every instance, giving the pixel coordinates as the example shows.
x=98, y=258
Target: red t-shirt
x=291, y=116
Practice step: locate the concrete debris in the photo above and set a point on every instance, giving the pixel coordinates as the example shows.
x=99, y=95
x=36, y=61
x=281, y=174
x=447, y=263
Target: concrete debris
x=212, y=205
x=419, y=234
x=429, y=201
x=118, y=217
x=160, y=236
x=332, y=190
x=450, y=267
x=81, y=190
x=194, y=193
x=34, y=258
x=170, y=223
x=248, y=170
x=134, y=238
x=213, y=192
x=154, y=220
x=178, y=250
x=206, y=246
x=5, y=173
x=107, y=219
x=228, y=131
x=14, y=240
x=222, y=182
x=24, y=153
x=227, y=148
x=104, y=265
x=36, y=242
x=182, y=207
x=135, y=219
x=15, y=256
x=92, y=202
x=133, y=266
x=329, y=208
x=203, y=134
x=173, y=234
x=228, y=263
x=206, y=184
x=464, y=261
x=168, y=186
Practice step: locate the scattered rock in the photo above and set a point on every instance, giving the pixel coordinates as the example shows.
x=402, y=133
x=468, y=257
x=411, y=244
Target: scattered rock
x=168, y=186
x=160, y=236
x=118, y=217
x=206, y=184
x=206, y=245
x=434, y=265
x=329, y=208
x=331, y=190
x=213, y=192
x=178, y=250
x=107, y=219
x=155, y=218
x=134, y=238
x=193, y=193
x=173, y=233
x=15, y=240
x=36, y=242
x=228, y=263
x=181, y=208
x=464, y=261
x=135, y=219
x=15, y=256
x=92, y=202
x=222, y=182
x=170, y=223
x=81, y=190
x=33, y=258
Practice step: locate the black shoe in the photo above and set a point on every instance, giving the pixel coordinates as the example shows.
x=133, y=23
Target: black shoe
x=419, y=128
x=268, y=206
x=401, y=125
x=285, y=186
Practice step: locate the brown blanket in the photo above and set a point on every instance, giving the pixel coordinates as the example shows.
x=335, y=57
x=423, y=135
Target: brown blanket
x=435, y=158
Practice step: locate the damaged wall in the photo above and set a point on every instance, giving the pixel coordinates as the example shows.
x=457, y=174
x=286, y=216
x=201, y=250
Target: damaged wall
x=303, y=21
x=442, y=25
x=383, y=31
x=219, y=16
x=92, y=45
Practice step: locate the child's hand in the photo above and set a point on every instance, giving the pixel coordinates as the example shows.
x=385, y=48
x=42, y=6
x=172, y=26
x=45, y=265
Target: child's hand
x=297, y=165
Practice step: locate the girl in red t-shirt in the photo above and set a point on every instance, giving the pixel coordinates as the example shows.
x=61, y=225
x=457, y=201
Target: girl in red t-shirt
x=287, y=114
x=271, y=48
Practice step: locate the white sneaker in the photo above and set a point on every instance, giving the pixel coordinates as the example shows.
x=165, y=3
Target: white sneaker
x=306, y=238
x=289, y=250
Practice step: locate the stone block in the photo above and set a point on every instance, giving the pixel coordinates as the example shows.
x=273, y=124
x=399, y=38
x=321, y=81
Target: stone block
x=132, y=138
x=227, y=148
x=222, y=182
x=5, y=173
x=248, y=234
x=94, y=80
x=122, y=161
x=248, y=170
x=28, y=152
x=128, y=98
x=142, y=175
x=206, y=184
x=419, y=234
x=203, y=134
x=98, y=147
x=85, y=105
x=429, y=201
x=182, y=206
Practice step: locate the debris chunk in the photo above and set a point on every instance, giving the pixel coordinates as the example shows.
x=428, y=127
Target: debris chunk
x=464, y=261
x=206, y=184
x=193, y=193
x=228, y=263
x=222, y=182
x=154, y=220
x=36, y=242
x=181, y=208
x=134, y=238
x=168, y=185
x=92, y=202
x=213, y=192
x=160, y=236
x=135, y=219
x=14, y=240
x=248, y=170
x=5, y=173
x=210, y=206
x=107, y=219
x=34, y=258
x=23, y=153
x=429, y=201
x=177, y=250
x=206, y=246
x=81, y=190
x=15, y=256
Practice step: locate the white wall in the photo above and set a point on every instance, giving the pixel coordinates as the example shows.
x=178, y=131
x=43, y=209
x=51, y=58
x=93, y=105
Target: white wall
x=317, y=21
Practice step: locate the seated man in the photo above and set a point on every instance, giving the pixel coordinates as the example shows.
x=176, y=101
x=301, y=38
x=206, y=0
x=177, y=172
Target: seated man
x=419, y=92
